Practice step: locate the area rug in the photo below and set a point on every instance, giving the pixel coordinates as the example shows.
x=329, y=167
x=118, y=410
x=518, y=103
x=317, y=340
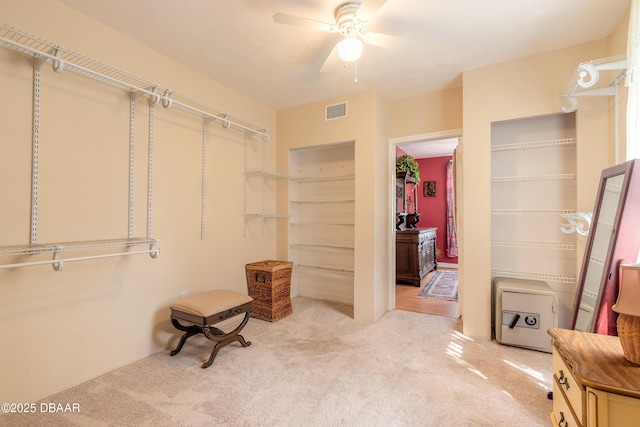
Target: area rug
x=443, y=286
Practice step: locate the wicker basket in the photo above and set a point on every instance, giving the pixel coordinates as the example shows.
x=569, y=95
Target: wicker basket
x=269, y=284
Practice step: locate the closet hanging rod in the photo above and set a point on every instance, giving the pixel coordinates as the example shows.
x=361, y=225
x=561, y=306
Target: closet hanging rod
x=62, y=58
x=58, y=263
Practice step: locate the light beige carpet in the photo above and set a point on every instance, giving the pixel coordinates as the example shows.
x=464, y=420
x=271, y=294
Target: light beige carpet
x=319, y=367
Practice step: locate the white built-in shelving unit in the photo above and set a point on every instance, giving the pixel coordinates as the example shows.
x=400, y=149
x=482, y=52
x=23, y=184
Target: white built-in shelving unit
x=533, y=184
x=322, y=221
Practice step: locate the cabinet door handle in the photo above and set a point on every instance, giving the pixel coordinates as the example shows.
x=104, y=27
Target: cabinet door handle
x=563, y=422
x=563, y=380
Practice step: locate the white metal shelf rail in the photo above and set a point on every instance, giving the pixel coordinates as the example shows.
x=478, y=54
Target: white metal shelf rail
x=533, y=245
x=573, y=218
x=534, y=144
x=61, y=59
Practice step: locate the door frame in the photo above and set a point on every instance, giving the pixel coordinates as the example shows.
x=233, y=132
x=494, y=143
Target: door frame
x=391, y=207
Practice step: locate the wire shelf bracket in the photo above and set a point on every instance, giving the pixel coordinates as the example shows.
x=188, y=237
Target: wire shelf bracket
x=583, y=83
x=585, y=77
x=579, y=222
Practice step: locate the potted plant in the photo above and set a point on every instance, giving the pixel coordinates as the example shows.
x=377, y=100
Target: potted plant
x=408, y=164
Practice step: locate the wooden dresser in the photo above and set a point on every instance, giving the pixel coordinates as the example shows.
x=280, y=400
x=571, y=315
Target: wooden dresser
x=415, y=254
x=593, y=384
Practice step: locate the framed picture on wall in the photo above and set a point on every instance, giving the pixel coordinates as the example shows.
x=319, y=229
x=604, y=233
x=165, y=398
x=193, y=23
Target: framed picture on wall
x=429, y=189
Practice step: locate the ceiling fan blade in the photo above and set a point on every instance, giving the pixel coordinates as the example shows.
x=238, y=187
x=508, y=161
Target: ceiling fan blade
x=332, y=62
x=368, y=8
x=386, y=41
x=282, y=18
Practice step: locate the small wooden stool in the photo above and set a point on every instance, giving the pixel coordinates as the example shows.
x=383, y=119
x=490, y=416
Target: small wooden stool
x=208, y=308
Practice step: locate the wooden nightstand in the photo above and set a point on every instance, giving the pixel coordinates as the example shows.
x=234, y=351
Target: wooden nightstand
x=594, y=385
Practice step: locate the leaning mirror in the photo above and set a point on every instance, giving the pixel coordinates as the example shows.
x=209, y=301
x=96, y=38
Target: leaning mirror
x=613, y=237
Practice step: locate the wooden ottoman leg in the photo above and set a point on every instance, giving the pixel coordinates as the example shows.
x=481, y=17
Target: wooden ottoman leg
x=222, y=339
x=190, y=331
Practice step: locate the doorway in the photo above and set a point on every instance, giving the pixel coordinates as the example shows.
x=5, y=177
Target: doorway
x=426, y=149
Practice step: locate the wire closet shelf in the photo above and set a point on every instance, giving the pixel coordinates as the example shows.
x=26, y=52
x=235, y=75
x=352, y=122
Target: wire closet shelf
x=62, y=59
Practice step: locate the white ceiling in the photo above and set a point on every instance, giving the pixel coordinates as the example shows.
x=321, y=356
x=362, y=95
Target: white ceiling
x=236, y=42
x=427, y=149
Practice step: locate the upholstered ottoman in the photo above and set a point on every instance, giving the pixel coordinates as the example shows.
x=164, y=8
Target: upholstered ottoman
x=202, y=310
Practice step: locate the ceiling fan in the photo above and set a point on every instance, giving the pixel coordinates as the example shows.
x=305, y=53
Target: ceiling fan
x=350, y=19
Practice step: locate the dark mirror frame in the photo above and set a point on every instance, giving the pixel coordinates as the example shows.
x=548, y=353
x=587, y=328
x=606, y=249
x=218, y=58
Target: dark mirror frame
x=624, y=244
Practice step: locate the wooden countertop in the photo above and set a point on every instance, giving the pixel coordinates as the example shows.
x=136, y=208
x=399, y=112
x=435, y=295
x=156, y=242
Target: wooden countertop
x=597, y=361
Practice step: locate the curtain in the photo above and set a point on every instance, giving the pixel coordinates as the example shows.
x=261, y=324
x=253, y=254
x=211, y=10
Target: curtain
x=633, y=59
x=452, y=239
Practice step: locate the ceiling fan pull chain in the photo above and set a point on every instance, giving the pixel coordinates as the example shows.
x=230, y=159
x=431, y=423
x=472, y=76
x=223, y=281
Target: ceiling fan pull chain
x=355, y=71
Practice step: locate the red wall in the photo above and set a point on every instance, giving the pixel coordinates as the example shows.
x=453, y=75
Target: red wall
x=433, y=210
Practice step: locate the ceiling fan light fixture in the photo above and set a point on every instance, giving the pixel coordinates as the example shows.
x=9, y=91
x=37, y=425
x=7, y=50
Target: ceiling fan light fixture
x=350, y=49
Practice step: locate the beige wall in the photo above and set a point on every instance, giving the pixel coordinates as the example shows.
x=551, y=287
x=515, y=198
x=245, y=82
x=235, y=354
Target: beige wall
x=62, y=328
x=430, y=113
x=304, y=126
x=617, y=44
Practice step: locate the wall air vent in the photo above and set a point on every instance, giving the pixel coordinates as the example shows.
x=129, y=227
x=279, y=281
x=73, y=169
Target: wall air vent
x=335, y=111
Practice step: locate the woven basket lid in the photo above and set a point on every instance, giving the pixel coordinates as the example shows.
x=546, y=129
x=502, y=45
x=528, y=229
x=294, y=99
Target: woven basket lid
x=269, y=265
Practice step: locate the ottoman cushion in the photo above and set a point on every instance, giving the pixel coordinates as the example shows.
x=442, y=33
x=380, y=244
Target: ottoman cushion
x=205, y=304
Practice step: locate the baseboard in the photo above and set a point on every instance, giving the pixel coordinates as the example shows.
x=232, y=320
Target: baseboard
x=447, y=265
